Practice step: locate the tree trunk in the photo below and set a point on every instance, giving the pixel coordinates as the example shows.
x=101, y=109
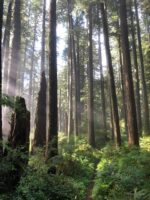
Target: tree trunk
x=122, y=84
x=1, y=24
x=52, y=149
x=15, y=55
x=43, y=38
x=6, y=43
x=40, y=118
x=23, y=66
x=133, y=138
x=32, y=65
x=111, y=76
x=137, y=83
x=78, y=83
x=91, y=133
x=70, y=78
x=20, y=125
x=146, y=123
x=102, y=82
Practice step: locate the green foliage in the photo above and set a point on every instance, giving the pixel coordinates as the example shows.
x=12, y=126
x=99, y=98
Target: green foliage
x=42, y=186
x=75, y=166
x=123, y=173
x=12, y=165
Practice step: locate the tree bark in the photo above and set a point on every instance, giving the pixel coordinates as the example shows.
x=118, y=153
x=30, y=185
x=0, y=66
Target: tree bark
x=70, y=78
x=137, y=83
x=20, y=125
x=91, y=133
x=111, y=76
x=102, y=82
x=43, y=38
x=146, y=123
x=1, y=24
x=53, y=121
x=40, y=118
x=133, y=138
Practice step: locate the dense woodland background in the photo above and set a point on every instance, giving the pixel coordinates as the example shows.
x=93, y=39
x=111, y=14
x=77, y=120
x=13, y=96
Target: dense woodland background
x=75, y=97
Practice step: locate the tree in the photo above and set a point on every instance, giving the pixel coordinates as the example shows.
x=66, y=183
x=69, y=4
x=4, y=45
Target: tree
x=52, y=147
x=70, y=74
x=101, y=80
x=15, y=54
x=133, y=138
x=137, y=83
x=91, y=134
x=6, y=43
x=146, y=123
x=111, y=77
x=1, y=23
x=40, y=119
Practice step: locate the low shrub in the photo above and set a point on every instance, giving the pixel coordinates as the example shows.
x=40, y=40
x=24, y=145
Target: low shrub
x=123, y=173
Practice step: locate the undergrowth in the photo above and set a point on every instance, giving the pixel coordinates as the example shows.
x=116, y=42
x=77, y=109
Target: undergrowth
x=74, y=169
x=124, y=173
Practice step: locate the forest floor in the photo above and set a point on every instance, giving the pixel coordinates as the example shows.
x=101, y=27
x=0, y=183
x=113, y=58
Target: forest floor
x=91, y=184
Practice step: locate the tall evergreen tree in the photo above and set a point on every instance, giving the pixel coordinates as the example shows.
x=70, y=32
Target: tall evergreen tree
x=133, y=138
x=40, y=119
x=146, y=122
x=137, y=81
x=52, y=147
x=1, y=23
x=111, y=77
x=91, y=134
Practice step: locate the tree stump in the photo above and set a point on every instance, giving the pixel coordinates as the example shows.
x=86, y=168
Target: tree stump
x=20, y=125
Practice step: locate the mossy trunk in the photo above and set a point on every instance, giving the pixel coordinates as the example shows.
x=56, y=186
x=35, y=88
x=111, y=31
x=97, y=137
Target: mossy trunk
x=20, y=125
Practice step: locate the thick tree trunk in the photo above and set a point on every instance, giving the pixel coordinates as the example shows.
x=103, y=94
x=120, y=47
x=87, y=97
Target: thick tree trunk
x=91, y=133
x=133, y=138
x=111, y=76
x=146, y=123
x=15, y=55
x=137, y=83
x=20, y=125
x=1, y=24
x=52, y=149
x=60, y=113
x=40, y=118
